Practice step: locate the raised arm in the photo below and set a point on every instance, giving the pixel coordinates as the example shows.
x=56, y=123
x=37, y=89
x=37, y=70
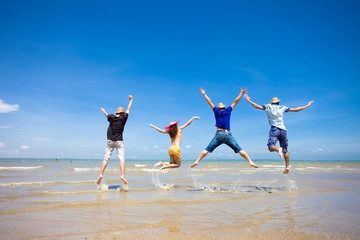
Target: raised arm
x=130, y=104
x=103, y=110
x=202, y=92
x=300, y=108
x=188, y=123
x=159, y=129
x=237, y=99
x=254, y=104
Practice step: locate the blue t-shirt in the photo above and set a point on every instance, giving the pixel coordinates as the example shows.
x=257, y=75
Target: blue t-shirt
x=222, y=117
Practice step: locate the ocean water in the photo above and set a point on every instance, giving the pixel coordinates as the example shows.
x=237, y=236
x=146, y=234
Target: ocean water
x=41, y=198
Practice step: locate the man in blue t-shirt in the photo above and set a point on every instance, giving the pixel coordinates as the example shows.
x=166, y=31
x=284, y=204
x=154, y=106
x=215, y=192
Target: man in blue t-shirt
x=275, y=113
x=223, y=134
x=115, y=139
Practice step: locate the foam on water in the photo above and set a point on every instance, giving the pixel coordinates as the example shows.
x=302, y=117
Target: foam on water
x=92, y=169
x=20, y=168
x=140, y=165
x=44, y=183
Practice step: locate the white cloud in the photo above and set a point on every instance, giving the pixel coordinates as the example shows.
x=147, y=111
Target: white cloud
x=5, y=108
x=2, y=144
x=254, y=73
x=155, y=146
x=24, y=147
x=188, y=146
x=145, y=148
x=42, y=139
x=4, y=126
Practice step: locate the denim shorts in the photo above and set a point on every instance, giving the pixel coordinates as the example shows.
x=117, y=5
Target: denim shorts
x=275, y=134
x=221, y=137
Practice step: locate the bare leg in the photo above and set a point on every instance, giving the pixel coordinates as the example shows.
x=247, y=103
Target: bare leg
x=103, y=167
x=122, y=169
x=158, y=164
x=276, y=149
x=175, y=162
x=287, y=157
x=244, y=155
x=201, y=156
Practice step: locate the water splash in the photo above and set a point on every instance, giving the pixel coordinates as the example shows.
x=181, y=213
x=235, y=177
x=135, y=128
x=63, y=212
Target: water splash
x=292, y=185
x=158, y=184
x=210, y=188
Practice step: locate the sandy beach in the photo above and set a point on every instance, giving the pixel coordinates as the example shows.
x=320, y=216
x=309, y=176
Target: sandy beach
x=44, y=199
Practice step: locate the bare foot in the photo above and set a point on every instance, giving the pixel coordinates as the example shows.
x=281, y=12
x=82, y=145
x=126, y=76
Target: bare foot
x=254, y=165
x=286, y=171
x=158, y=164
x=280, y=152
x=124, y=180
x=98, y=181
x=194, y=164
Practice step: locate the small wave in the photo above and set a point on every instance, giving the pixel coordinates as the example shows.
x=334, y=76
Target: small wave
x=44, y=183
x=140, y=165
x=273, y=166
x=86, y=169
x=92, y=169
x=69, y=192
x=209, y=169
x=151, y=170
x=20, y=168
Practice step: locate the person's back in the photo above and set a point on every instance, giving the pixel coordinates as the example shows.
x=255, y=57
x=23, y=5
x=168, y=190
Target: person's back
x=116, y=126
x=223, y=134
x=275, y=115
x=175, y=141
x=222, y=117
x=115, y=139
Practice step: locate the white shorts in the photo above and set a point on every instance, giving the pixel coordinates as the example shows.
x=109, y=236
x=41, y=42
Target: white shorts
x=119, y=145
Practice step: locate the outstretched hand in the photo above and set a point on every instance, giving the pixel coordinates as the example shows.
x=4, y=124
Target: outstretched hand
x=131, y=97
x=243, y=90
x=247, y=97
x=311, y=102
x=151, y=125
x=202, y=91
x=196, y=118
x=103, y=110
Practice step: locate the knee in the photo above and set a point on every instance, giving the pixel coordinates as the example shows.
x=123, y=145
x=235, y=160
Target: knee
x=204, y=153
x=242, y=153
x=104, y=163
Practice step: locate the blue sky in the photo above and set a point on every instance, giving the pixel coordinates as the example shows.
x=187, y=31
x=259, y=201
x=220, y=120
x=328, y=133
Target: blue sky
x=60, y=61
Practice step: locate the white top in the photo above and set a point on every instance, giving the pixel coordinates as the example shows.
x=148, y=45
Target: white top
x=275, y=115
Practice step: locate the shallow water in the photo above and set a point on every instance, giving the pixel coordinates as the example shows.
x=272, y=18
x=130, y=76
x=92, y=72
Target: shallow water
x=48, y=199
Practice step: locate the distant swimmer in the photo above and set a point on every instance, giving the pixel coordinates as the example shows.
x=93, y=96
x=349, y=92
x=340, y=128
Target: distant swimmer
x=174, y=151
x=223, y=134
x=115, y=139
x=275, y=113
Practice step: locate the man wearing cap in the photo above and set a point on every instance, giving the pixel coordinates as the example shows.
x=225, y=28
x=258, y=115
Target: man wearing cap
x=115, y=139
x=275, y=113
x=223, y=134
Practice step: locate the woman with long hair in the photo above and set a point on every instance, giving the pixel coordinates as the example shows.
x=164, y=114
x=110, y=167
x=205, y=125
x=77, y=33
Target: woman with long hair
x=174, y=151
